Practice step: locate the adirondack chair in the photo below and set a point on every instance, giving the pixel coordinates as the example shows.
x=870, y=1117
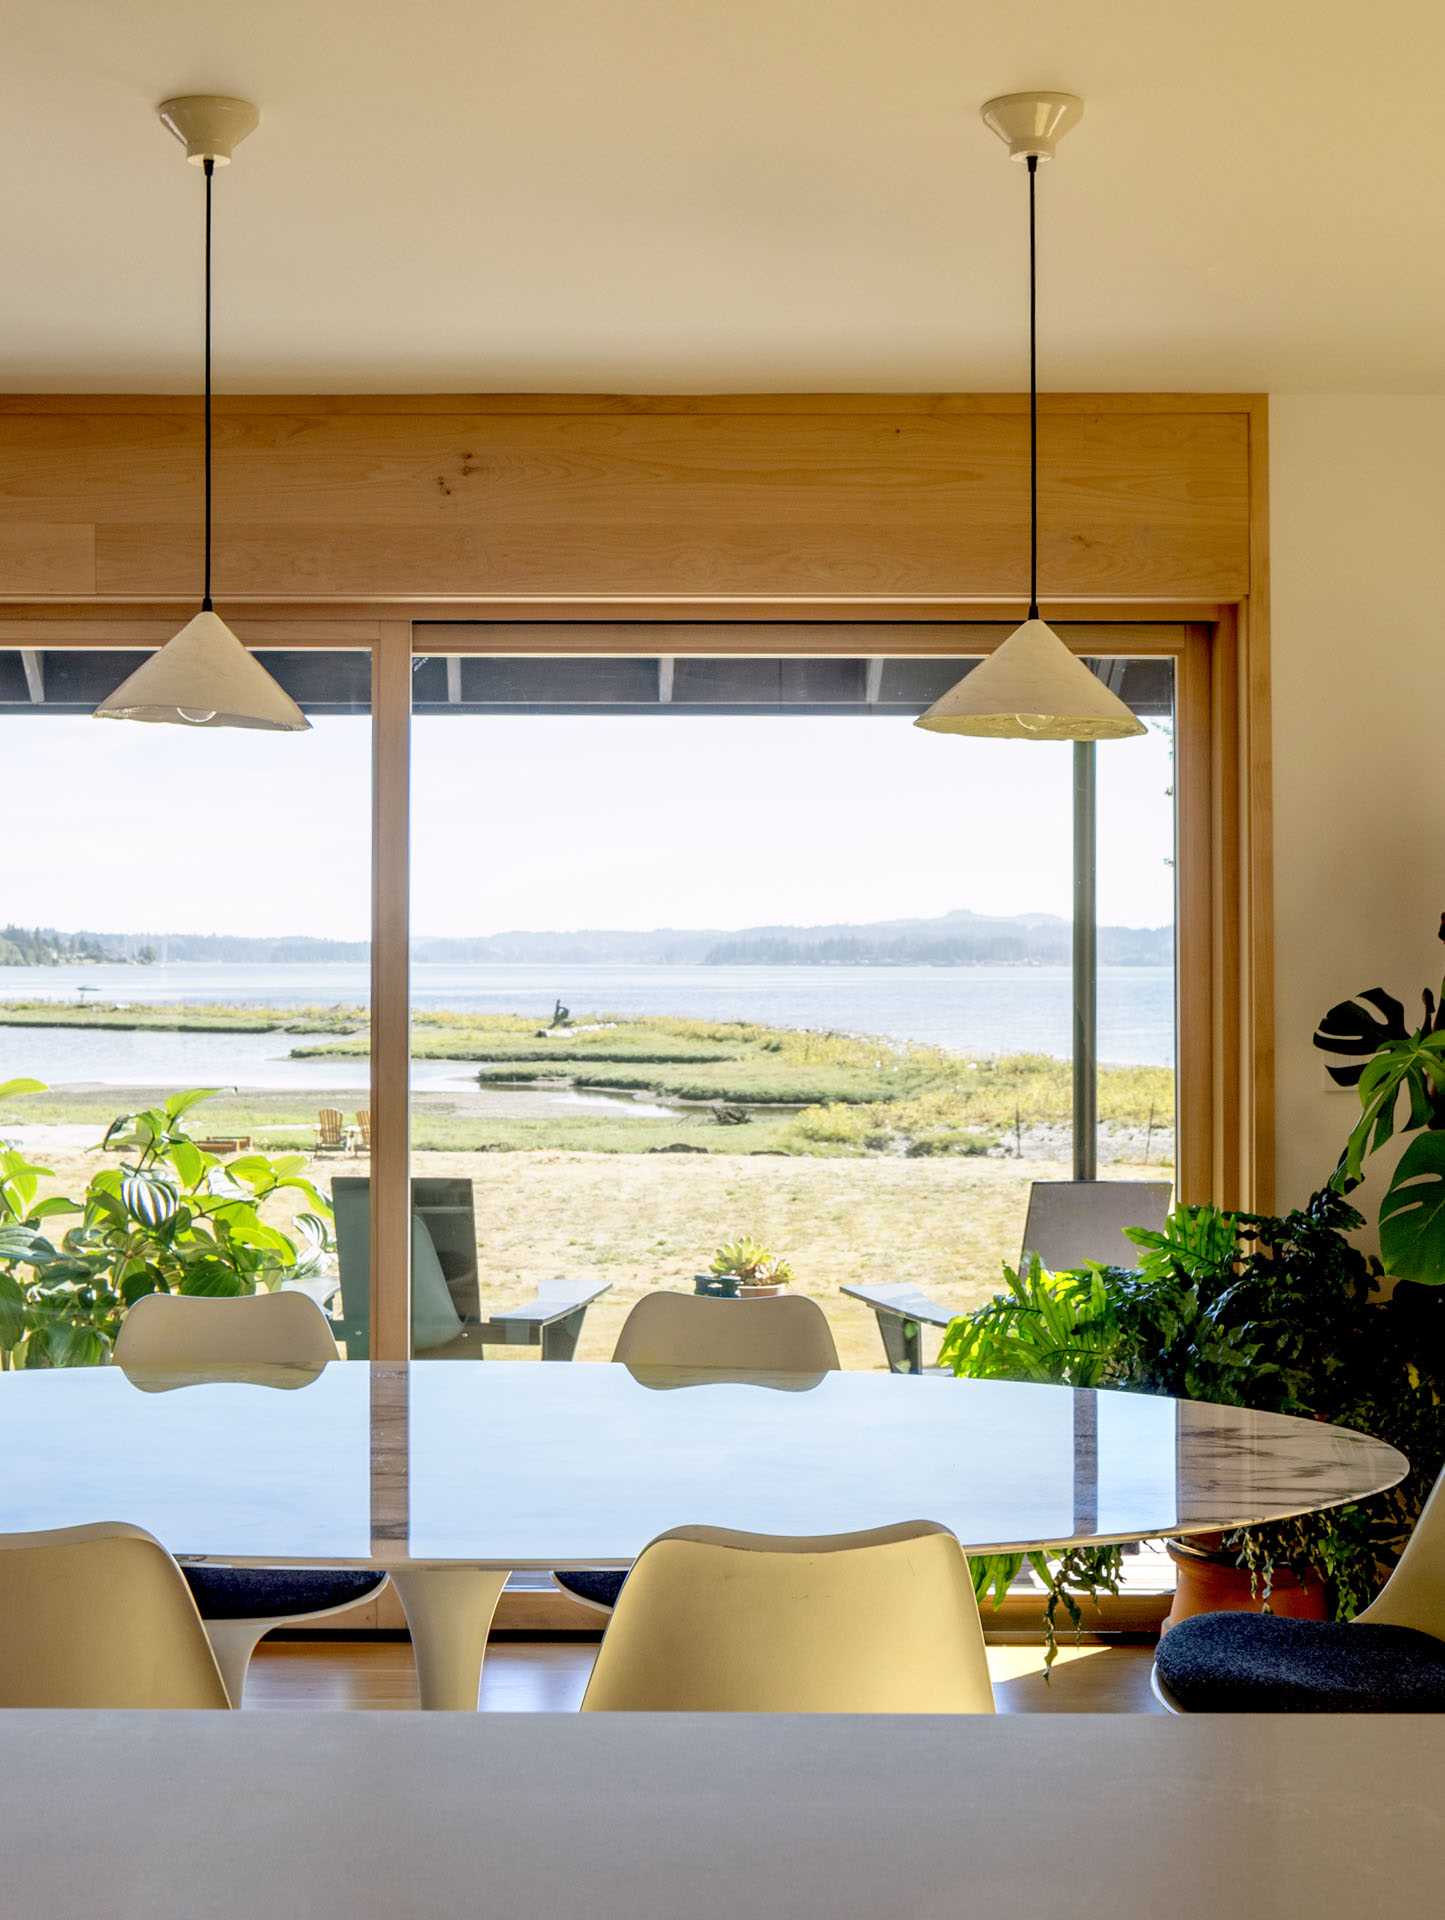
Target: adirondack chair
x=446, y=1306
x=361, y=1132
x=1069, y=1222
x=330, y=1134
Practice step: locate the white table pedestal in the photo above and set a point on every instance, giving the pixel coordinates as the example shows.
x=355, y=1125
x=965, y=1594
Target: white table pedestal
x=449, y=1611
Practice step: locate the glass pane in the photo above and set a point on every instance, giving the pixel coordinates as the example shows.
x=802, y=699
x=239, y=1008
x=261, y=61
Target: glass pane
x=1136, y=913
x=711, y=951
x=188, y=914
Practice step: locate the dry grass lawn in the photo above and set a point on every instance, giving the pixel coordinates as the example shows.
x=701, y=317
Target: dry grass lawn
x=643, y=1221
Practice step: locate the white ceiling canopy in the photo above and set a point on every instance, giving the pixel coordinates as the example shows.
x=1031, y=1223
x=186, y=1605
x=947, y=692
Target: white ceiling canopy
x=726, y=195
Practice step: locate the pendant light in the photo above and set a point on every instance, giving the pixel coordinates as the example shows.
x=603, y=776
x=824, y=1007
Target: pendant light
x=1032, y=687
x=205, y=677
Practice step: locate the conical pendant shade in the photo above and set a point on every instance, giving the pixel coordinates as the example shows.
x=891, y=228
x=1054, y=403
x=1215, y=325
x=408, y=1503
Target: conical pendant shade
x=1032, y=688
x=205, y=678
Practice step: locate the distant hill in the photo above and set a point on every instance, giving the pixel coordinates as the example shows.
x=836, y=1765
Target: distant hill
x=958, y=939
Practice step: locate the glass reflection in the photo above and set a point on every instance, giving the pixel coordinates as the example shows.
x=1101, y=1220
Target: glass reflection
x=168, y=1380
x=671, y=1379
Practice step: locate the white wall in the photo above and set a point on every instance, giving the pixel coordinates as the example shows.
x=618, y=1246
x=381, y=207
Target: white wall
x=1357, y=539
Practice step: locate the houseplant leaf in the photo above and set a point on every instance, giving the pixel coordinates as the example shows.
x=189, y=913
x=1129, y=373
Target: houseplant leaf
x=180, y=1104
x=1348, y=1028
x=1416, y=1062
x=149, y=1199
x=1412, y=1214
x=214, y=1278
x=12, y=1312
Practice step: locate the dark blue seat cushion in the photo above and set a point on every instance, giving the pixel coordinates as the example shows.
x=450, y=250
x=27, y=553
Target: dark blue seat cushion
x=1258, y=1663
x=258, y=1593
x=598, y=1587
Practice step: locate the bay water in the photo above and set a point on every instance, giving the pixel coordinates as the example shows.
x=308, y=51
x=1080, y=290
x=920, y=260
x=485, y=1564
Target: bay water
x=968, y=1010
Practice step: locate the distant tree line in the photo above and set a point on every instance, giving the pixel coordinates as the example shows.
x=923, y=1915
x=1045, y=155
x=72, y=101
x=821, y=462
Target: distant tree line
x=45, y=947
x=248, y=948
x=1049, y=946
x=1039, y=941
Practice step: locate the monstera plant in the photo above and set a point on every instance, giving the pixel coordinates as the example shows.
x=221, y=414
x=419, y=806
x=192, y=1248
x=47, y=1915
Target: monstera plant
x=1395, y=1066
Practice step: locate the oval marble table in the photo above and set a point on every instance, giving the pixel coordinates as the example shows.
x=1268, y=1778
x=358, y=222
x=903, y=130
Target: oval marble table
x=450, y=1475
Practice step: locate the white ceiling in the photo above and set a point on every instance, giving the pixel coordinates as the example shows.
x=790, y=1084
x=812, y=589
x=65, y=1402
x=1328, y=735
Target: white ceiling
x=714, y=195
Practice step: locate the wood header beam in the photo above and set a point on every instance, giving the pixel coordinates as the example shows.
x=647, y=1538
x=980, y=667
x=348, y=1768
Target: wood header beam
x=371, y=497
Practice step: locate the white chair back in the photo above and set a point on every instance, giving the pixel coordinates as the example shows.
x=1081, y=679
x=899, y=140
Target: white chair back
x=100, y=1617
x=717, y=1622
x=1414, y=1594
x=180, y=1330
x=789, y=1334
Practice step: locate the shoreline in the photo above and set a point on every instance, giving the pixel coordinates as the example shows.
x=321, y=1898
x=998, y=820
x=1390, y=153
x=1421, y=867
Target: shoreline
x=1118, y=1145
x=609, y=1082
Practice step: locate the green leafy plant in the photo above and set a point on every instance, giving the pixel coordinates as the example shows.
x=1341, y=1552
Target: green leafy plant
x=1388, y=1060
x=1278, y=1313
x=1412, y=1213
x=170, y=1217
x=751, y=1264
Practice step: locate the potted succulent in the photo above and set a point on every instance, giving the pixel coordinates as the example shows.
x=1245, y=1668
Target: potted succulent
x=744, y=1270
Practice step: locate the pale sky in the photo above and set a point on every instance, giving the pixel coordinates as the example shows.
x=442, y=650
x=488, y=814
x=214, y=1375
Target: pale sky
x=561, y=821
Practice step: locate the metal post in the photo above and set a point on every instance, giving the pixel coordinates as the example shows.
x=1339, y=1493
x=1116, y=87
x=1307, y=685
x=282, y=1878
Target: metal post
x=1086, y=967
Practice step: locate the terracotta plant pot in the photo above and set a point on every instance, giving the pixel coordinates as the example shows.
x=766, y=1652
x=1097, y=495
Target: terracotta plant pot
x=746, y=1292
x=1210, y=1582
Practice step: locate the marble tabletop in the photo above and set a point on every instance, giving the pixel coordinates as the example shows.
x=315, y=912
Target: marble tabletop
x=512, y=1466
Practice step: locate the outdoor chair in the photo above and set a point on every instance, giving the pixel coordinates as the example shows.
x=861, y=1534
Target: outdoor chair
x=99, y=1617
x=687, y=1330
x=717, y=1622
x=1388, y=1659
x=446, y=1302
x=1069, y=1222
x=175, y=1333
x=330, y=1133
x=361, y=1132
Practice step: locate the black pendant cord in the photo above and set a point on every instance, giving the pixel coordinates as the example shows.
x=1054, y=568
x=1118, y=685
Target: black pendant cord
x=1033, y=166
x=206, y=606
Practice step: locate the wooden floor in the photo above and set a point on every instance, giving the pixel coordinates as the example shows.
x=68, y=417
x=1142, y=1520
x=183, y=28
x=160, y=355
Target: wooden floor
x=548, y=1676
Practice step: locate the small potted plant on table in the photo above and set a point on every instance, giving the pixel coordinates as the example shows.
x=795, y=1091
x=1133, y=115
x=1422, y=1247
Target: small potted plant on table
x=744, y=1270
